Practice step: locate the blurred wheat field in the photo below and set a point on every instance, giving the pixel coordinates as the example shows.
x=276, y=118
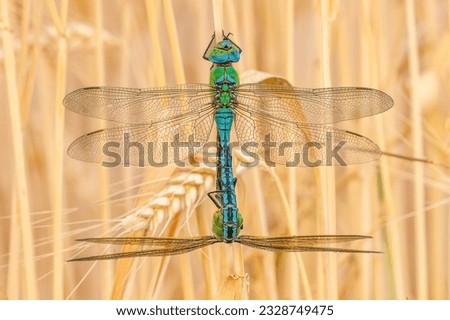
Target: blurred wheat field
x=48, y=199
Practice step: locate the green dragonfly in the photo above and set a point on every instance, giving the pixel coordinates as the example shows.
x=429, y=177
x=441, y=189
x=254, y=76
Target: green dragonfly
x=279, y=124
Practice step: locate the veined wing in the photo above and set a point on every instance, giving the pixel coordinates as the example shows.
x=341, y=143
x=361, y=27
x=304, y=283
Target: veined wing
x=292, y=144
x=301, y=243
x=156, y=144
x=134, y=106
x=162, y=246
x=312, y=106
x=173, y=246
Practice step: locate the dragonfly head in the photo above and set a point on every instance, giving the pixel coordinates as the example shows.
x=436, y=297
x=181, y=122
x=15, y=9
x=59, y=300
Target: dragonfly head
x=228, y=232
x=223, y=52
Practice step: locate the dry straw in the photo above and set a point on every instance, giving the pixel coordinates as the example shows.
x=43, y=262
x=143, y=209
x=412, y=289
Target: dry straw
x=48, y=200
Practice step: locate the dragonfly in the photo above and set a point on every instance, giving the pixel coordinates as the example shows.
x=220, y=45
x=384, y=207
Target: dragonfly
x=273, y=122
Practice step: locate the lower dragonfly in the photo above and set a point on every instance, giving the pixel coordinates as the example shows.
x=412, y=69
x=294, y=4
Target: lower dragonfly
x=292, y=116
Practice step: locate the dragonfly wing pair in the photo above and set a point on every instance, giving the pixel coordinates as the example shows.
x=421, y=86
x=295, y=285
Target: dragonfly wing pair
x=289, y=122
x=173, y=246
x=276, y=123
x=157, y=121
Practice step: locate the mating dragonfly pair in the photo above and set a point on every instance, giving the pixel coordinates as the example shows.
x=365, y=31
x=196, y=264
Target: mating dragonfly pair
x=291, y=118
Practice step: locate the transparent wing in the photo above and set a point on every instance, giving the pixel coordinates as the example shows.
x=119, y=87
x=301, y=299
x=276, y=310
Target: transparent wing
x=312, y=106
x=154, y=144
x=291, y=144
x=163, y=246
x=173, y=246
x=301, y=243
x=138, y=106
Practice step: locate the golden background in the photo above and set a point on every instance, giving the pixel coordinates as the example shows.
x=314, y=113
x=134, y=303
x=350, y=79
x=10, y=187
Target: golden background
x=47, y=200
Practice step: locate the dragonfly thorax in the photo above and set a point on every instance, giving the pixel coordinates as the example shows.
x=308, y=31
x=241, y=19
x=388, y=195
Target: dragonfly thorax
x=221, y=75
x=224, y=96
x=227, y=231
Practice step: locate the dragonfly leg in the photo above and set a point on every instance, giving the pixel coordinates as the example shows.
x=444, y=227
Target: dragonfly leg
x=227, y=38
x=213, y=195
x=209, y=48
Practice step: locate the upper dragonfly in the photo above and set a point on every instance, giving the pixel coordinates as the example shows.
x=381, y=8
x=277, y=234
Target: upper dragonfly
x=289, y=114
x=274, y=123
